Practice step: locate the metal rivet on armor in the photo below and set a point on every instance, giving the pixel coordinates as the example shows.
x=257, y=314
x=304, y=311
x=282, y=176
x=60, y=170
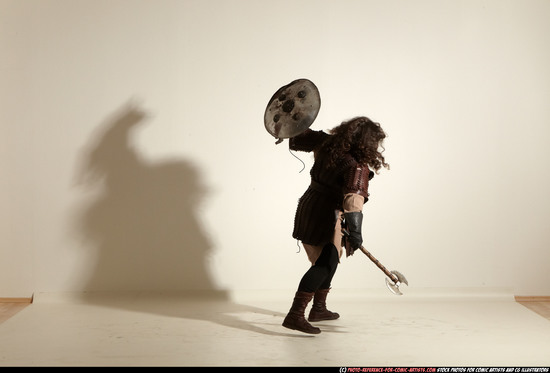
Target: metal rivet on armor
x=276, y=118
x=302, y=94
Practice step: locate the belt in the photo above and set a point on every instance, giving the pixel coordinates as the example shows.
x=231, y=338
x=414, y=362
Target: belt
x=325, y=189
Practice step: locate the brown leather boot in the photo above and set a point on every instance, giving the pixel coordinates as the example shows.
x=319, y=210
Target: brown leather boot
x=319, y=310
x=295, y=319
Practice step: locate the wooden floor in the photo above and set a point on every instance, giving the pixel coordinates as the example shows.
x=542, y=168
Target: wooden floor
x=10, y=308
x=539, y=305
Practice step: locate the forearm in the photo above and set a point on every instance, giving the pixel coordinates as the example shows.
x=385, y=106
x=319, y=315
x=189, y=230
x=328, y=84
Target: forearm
x=353, y=202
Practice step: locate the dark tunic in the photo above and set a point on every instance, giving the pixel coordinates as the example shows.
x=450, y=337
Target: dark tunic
x=316, y=213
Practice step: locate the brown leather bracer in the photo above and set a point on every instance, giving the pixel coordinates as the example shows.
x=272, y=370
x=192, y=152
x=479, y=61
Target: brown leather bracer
x=356, y=180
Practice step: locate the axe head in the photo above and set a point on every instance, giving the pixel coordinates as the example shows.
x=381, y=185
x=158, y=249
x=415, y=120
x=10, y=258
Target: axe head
x=394, y=286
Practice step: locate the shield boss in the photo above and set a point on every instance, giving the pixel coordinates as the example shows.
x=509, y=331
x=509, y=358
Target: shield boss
x=292, y=109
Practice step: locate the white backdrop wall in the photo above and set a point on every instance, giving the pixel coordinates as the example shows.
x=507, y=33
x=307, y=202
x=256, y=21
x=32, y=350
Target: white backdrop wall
x=133, y=153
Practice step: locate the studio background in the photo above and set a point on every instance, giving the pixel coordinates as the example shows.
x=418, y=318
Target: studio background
x=133, y=154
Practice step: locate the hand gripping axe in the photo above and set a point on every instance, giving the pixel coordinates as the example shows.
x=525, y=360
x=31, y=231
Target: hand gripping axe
x=394, y=278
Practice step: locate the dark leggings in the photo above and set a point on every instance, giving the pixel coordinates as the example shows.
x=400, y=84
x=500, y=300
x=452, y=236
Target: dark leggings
x=319, y=276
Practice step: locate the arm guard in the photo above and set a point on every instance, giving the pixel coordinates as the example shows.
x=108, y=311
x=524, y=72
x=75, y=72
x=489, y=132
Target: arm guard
x=356, y=180
x=354, y=221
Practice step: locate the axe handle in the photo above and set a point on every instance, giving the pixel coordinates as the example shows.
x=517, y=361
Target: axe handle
x=379, y=265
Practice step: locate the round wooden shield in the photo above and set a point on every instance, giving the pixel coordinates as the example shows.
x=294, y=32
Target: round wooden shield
x=292, y=109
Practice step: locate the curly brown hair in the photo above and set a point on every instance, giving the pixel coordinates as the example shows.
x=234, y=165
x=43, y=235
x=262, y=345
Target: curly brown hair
x=360, y=137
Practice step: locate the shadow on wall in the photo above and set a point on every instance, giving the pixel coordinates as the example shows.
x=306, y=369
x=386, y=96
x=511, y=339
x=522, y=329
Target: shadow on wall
x=151, y=251
x=142, y=223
